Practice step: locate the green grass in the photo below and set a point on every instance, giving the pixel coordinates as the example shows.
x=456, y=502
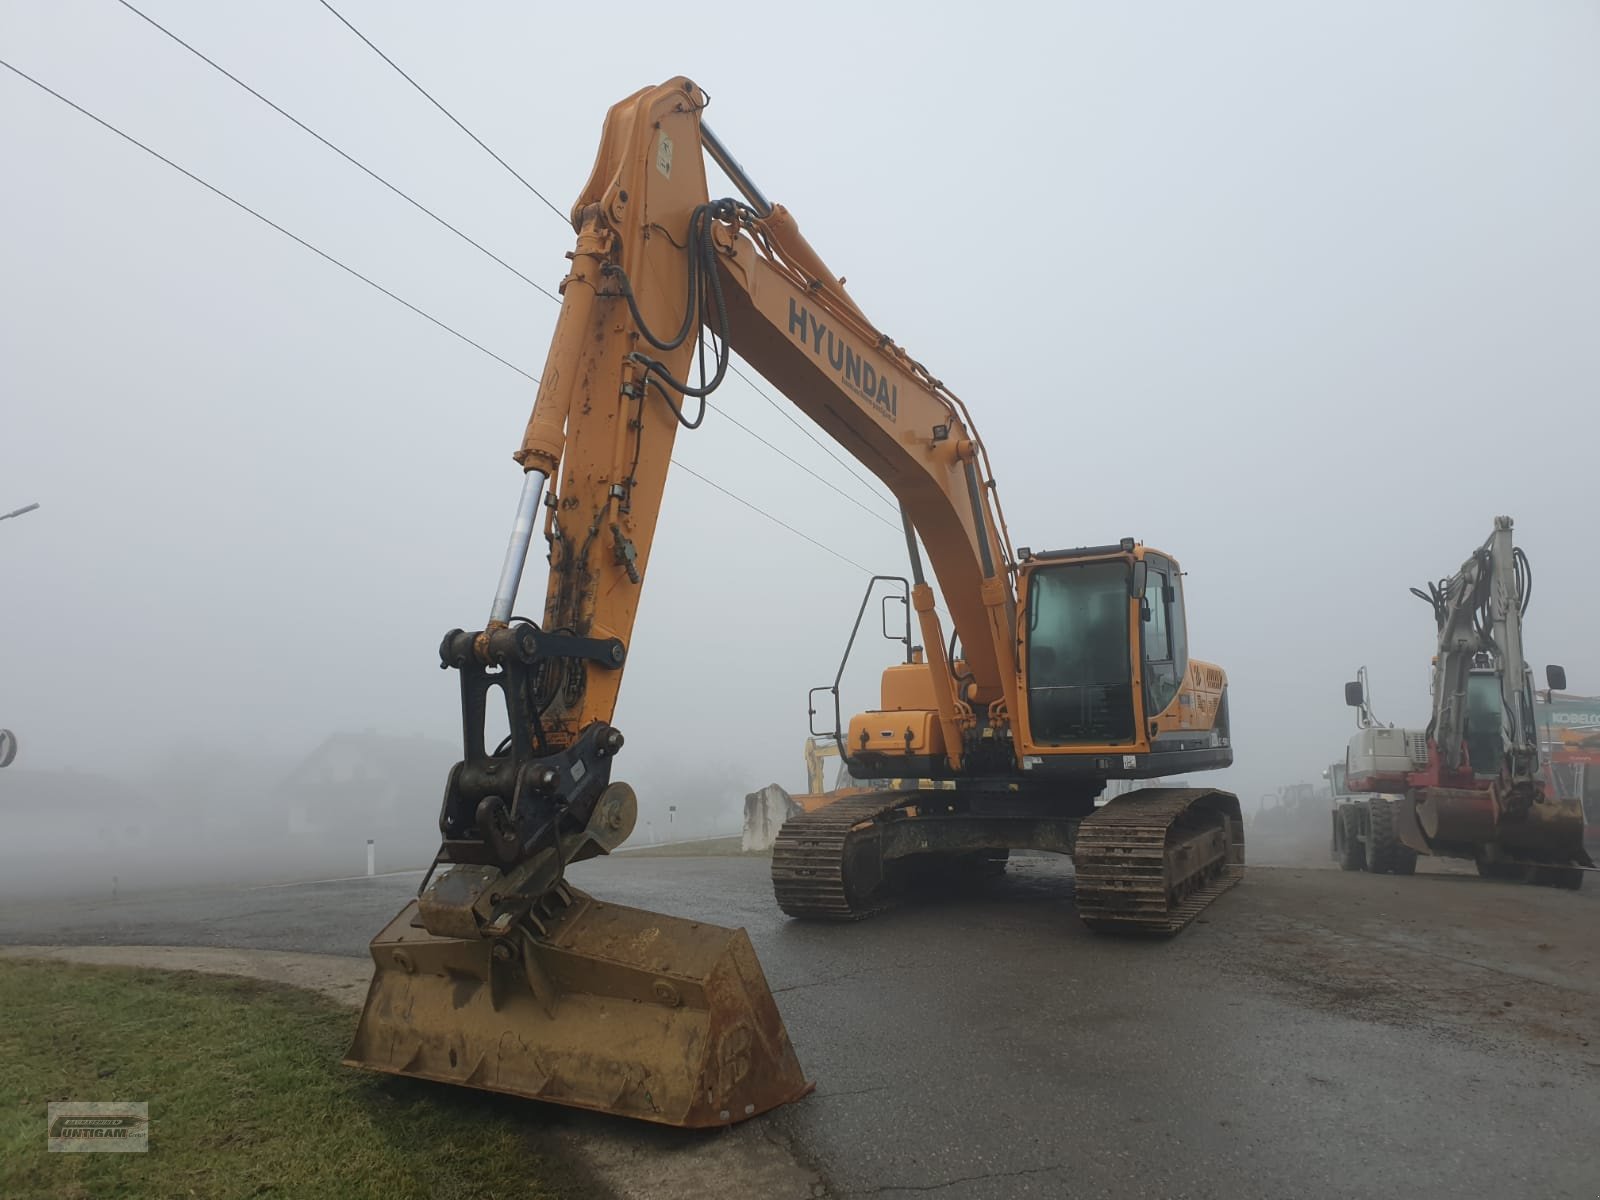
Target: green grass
x=247, y=1098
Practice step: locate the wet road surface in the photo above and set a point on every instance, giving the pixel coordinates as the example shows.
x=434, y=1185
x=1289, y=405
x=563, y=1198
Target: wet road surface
x=1320, y=1034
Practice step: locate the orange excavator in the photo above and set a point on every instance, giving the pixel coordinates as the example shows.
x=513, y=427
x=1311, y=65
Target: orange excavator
x=1073, y=671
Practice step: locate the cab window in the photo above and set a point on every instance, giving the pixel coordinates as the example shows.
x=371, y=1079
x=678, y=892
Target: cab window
x=1483, y=736
x=1080, y=675
x=1158, y=619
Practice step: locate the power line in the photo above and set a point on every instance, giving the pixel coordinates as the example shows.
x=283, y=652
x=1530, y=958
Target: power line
x=484, y=250
x=240, y=204
x=418, y=205
x=823, y=446
x=783, y=453
x=565, y=219
x=770, y=517
x=323, y=254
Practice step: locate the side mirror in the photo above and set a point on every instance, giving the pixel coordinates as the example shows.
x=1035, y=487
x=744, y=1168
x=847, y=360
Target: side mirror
x=1354, y=694
x=1138, y=578
x=1144, y=609
x=1556, y=678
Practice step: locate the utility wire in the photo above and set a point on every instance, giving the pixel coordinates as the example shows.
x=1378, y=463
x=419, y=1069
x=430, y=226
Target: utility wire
x=492, y=255
x=770, y=517
x=418, y=205
x=785, y=454
x=564, y=218
x=240, y=204
x=103, y=123
x=822, y=445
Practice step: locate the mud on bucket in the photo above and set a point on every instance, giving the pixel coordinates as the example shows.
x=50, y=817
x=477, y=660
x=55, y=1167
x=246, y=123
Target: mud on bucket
x=614, y=1009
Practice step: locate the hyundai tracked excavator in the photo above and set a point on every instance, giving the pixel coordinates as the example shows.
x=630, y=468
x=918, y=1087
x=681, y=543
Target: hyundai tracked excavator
x=1073, y=670
x=1470, y=785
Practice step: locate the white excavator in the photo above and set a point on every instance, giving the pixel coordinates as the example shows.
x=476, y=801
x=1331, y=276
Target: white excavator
x=1471, y=785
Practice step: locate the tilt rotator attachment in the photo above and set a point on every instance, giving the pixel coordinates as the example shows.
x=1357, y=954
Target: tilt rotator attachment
x=503, y=976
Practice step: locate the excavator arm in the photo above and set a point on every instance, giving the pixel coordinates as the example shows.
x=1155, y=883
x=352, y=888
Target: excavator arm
x=662, y=277
x=1482, y=684
x=499, y=947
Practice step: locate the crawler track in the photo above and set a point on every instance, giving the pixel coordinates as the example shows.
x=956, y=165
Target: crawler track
x=814, y=853
x=1150, y=861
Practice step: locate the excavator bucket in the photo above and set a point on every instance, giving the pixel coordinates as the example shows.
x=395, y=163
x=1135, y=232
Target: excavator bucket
x=1548, y=832
x=595, y=1005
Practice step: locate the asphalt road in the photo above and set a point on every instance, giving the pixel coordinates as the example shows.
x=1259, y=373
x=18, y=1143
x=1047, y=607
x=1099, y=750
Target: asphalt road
x=1320, y=1034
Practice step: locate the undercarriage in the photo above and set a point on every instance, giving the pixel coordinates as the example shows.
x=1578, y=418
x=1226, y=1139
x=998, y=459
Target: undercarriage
x=1147, y=861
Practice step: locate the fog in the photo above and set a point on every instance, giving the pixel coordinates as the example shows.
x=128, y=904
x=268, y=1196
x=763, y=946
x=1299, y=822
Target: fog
x=1303, y=294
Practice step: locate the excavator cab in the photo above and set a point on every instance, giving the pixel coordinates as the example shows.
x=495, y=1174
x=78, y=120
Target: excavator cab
x=1106, y=653
x=1106, y=682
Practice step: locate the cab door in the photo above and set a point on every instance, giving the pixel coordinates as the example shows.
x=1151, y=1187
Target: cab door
x=1079, y=655
x=1163, y=635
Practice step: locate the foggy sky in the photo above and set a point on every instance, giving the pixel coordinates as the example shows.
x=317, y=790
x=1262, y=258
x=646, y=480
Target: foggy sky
x=1303, y=294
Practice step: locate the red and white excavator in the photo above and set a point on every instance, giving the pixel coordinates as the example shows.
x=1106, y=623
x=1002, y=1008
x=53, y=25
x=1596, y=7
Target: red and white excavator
x=1470, y=785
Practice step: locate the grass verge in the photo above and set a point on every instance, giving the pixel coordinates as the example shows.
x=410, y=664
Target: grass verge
x=247, y=1098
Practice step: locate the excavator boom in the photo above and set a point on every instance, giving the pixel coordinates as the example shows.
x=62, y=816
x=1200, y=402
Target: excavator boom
x=502, y=975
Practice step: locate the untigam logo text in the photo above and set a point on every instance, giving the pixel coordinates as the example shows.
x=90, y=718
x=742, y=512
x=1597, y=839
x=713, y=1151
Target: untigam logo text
x=855, y=372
